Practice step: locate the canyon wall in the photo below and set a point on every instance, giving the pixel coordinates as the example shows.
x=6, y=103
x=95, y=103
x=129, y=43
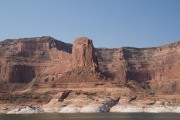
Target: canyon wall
x=22, y=60
x=159, y=66
x=45, y=58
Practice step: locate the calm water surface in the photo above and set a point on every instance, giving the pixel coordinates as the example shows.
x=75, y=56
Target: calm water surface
x=94, y=116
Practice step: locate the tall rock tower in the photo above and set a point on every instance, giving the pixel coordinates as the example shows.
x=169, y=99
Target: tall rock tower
x=83, y=54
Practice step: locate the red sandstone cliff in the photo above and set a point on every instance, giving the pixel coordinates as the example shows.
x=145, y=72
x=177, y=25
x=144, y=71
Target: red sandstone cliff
x=159, y=66
x=83, y=54
x=46, y=60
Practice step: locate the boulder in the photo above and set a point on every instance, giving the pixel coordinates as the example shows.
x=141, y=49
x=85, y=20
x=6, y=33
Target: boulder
x=127, y=108
x=25, y=110
x=94, y=108
x=70, y=109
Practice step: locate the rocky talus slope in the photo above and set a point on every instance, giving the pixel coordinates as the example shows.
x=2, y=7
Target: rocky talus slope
x=54, y=76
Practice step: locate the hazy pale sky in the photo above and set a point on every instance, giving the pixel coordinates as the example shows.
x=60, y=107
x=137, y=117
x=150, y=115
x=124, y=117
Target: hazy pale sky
x=109, y=23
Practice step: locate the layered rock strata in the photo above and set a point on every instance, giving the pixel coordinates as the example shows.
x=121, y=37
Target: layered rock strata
x=47, y=61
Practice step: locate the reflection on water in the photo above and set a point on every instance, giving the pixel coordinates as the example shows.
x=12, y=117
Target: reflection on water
x=93, y=116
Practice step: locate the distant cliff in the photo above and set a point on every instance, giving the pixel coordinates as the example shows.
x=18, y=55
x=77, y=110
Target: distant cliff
x=48, y=61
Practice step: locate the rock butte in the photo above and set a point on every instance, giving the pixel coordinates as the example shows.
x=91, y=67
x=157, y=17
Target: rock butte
x=37, y=69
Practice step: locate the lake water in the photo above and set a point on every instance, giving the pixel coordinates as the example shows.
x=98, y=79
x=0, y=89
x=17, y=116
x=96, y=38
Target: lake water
x=93, y=116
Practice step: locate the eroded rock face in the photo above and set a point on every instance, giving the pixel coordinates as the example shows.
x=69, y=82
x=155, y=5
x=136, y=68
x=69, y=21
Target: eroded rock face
x=84, y=63
x=156, y=66
x=83, y=54
x=48, y=60
x=22, y=60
